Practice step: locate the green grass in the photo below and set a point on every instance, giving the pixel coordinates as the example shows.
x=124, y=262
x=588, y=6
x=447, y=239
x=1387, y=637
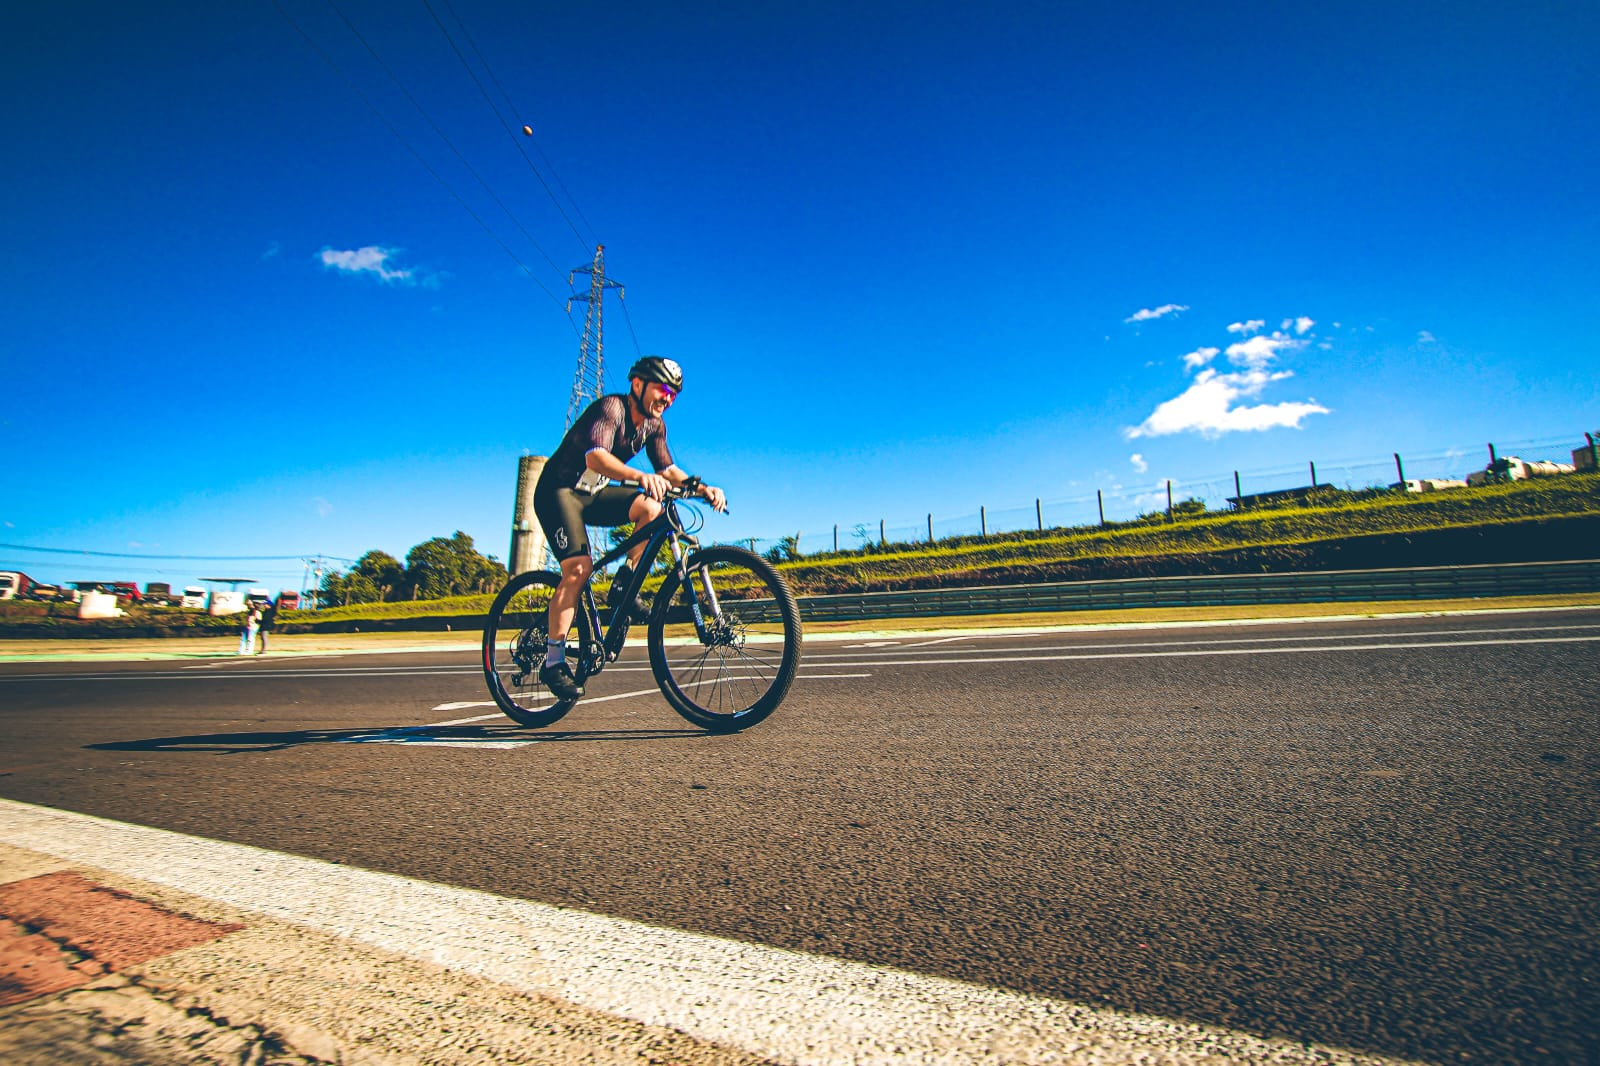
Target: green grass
x=1340, y=515
x=475, y=604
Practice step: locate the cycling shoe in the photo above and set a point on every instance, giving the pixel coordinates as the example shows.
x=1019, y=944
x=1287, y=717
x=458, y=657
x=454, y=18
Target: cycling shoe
x=558, y=679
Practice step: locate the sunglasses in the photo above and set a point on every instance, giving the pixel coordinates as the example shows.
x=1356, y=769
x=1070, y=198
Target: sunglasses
x=668, y=393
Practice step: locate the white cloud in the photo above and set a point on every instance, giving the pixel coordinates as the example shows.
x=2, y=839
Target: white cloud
x=1257, y=352
x=1139, y=465
x=368, y=260
x=1427, y=338
x=1255, y=325
x=1150, y=313
x=1211, y=405
x=1302, y=325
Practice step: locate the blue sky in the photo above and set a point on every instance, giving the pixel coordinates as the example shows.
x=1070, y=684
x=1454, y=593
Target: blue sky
x=915, y=259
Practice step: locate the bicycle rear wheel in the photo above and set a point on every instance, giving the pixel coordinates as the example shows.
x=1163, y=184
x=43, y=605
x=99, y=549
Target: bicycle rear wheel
x=514, y=645
x=739, y=669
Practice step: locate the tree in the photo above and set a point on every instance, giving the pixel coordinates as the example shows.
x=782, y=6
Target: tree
x=340, y=589
x=451, y=566
x=383, y=570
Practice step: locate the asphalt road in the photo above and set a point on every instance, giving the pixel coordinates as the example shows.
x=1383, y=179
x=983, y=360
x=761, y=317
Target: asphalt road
x=1381, y=835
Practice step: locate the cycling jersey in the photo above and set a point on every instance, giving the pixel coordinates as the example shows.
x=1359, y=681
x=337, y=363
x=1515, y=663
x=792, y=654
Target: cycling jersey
x=564, y=512
x=605, y=424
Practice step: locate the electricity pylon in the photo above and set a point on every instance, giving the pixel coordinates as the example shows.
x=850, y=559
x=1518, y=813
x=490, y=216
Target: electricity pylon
x=589, y=383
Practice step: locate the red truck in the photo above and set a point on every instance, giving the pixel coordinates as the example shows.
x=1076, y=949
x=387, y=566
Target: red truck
x=15, y=585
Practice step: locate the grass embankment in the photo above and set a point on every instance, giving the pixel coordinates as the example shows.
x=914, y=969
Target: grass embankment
x=1536, y=519
x=1555, y=518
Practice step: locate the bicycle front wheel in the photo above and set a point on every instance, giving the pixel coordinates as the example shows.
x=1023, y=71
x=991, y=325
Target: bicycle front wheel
x=514, y=645
x=731, y=668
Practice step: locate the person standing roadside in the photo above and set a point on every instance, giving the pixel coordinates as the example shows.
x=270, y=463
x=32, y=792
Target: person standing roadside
x=252, y=622
x=269, y=615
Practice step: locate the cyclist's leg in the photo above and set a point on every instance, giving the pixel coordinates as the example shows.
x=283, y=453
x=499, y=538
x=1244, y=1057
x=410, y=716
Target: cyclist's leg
x=575, y=573
x=643, y=509
x=560, y=513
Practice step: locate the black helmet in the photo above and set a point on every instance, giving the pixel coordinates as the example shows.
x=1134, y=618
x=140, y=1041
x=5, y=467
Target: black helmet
x=655, y=368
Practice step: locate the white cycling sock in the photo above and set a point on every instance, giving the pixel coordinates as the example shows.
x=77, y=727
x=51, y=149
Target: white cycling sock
x=554, y=651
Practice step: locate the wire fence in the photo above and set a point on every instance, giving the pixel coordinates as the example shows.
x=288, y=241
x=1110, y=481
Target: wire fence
x=1123, y=503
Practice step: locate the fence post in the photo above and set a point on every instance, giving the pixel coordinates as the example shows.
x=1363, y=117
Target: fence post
x=1400, y=470
x=983, y=520
x=836, y=536
x=882, y=540
x=1169, y=499
x=1313, y=475
x=1100, y=499
x=797, y=543
x=752, y=545
x=1038, y=510
x=1238, y=493
x=930, y=529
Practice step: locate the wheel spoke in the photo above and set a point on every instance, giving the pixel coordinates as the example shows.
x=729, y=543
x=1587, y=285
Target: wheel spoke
x=514, y=649
x=730, y=678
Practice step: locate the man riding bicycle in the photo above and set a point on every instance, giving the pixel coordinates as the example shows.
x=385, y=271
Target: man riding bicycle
x=573, y=493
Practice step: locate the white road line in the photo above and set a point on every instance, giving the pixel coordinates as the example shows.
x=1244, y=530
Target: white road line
x=378, y=672
x=1200, y=653
x=941, y=640
x=964, y=655
x=583, y=702
x=772, y=1003
x=406, y=734
x=1219, y=641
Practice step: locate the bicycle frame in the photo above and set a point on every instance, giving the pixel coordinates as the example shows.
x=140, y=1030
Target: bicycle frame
x=666, y=529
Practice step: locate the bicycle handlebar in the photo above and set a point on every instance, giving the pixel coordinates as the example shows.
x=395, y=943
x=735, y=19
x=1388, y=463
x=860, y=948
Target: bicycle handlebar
x=690, y=489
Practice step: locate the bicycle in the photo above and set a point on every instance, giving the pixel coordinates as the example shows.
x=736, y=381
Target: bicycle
x=727, y=663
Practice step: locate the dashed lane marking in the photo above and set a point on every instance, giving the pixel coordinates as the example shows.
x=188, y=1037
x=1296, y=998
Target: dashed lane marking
x=941, y=640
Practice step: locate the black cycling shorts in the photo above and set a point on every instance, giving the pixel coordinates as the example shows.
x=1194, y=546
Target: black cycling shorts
x=566, y=515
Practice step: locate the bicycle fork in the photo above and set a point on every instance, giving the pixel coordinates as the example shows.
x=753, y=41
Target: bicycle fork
x=703, y=603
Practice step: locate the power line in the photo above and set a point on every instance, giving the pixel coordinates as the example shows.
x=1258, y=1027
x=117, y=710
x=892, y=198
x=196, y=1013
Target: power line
x=442, y=136
x=628, y=318
x=326, y=58
x=503, y=123
x=170, y=558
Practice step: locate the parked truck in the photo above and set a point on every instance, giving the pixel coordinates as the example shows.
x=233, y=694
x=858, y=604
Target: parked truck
x=159, y=594
x=15, y=585
x=194, y=597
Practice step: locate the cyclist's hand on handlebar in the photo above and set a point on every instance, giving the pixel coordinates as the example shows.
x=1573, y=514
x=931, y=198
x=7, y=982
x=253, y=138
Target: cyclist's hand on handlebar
x=714, y=497
x=654, y=486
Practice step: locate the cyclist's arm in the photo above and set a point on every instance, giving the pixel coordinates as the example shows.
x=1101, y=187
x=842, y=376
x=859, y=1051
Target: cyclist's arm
x=602, y=461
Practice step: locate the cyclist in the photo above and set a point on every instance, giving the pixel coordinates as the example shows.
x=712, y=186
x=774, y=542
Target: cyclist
x=573, y=493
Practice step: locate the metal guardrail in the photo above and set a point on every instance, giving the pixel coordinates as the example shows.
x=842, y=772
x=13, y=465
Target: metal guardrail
x=1211, y=590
